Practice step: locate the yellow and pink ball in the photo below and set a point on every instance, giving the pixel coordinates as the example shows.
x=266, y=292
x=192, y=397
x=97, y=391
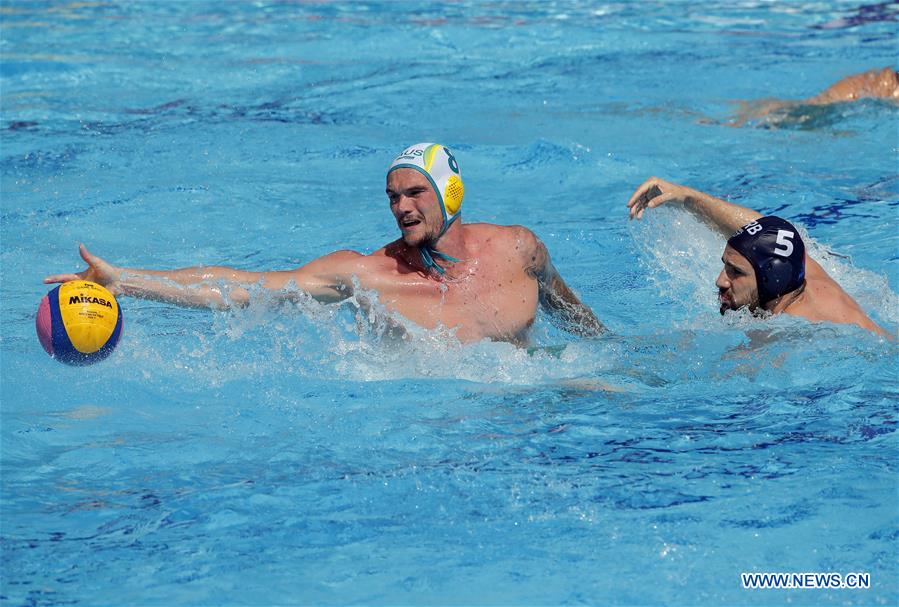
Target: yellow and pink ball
x=79, y=322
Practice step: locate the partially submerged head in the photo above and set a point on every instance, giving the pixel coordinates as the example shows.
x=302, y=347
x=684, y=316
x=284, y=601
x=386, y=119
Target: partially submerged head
x=424, y=185
x=763, y=260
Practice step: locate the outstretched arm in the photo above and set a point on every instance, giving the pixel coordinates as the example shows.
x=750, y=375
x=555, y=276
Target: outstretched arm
x=724, y=216
x=556, y=297
x=326, y=279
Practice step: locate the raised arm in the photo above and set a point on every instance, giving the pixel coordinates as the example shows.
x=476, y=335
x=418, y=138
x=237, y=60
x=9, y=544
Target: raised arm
x=724, y=216
x=556, y=297
x=326, y=279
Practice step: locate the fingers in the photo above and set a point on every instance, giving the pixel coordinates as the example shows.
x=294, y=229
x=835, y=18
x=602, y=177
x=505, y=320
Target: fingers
x=657, y=201
x=640, y=191
x=60, y=278
x=648, y=192
x=86, y=255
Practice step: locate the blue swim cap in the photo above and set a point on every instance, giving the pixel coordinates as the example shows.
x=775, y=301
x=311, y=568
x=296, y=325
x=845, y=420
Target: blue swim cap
x=776, y=251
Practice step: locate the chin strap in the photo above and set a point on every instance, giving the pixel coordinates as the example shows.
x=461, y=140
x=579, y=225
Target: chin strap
x=428, y=253
x=427, y=257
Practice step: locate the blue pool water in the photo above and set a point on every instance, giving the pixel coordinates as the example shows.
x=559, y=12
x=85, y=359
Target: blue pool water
x=294, y=455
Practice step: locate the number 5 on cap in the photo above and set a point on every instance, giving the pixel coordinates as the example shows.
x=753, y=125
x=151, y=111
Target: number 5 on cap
x=783, y=239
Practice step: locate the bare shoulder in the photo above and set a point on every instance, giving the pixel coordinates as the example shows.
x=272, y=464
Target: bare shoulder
x=815, y=275
x=530, y=248
x=517, y=243
x=514, y=237
x=830, y=302
x=826, y=291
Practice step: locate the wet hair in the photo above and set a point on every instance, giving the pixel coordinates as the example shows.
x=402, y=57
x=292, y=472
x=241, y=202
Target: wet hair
x=776, y=251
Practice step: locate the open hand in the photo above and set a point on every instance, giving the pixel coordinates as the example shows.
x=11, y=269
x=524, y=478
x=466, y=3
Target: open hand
x=98, y=271
x=655, y=191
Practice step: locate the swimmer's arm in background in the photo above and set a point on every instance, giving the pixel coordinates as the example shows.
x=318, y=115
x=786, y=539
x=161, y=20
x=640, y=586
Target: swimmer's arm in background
x=726, y=217
x=556, y=297
x=876, y=83
x=214, y=286
x=879, y=83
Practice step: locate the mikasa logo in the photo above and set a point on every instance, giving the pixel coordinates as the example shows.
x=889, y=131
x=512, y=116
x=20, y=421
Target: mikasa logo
x=75, y=299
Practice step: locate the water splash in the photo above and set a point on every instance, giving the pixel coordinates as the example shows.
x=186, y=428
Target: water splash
x=286, y=332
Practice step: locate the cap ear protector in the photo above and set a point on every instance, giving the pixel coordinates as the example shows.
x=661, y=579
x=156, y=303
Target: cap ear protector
x=776, y=252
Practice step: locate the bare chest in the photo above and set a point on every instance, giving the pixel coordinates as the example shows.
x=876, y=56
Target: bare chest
x=496, y=301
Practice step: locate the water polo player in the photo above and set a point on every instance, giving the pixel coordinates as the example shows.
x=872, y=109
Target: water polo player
x=775, y=253
x=476, y=280
x=766, y=268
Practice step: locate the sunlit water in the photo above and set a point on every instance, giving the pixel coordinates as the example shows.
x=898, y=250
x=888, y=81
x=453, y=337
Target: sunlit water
x=297, y=453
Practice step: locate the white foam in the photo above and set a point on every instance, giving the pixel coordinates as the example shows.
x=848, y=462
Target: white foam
x=359, y=339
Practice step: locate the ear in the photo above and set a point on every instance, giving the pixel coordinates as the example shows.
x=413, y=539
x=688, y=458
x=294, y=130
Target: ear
x=778, y=273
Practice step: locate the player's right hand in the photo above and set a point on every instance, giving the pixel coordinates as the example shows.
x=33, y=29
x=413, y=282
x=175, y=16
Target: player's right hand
x=98, y=271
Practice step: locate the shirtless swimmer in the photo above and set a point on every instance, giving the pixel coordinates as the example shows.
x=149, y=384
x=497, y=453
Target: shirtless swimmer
x=478, y=279
x=766, y=268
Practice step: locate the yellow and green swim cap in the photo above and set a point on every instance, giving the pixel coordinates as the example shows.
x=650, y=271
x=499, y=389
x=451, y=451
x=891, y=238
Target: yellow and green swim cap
x=437, y=163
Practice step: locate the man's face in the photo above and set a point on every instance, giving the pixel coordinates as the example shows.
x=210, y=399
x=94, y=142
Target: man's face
x=736, y=283
x=414, y=204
